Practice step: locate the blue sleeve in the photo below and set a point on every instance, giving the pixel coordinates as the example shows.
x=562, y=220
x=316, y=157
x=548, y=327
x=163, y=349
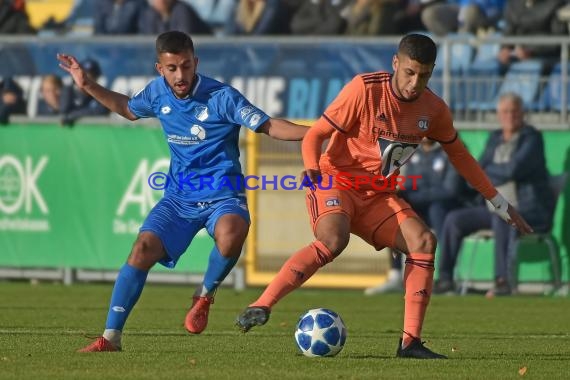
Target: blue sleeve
x=141, y=103
x=239, y=110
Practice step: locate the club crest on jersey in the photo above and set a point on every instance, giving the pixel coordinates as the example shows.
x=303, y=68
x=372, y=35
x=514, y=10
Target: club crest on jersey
x=201, y=113
x=332, y=202
x=165, y=110
x=423, y=123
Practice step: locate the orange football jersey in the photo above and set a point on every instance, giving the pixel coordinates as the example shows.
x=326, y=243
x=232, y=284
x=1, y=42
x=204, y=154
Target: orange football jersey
x=375, y=132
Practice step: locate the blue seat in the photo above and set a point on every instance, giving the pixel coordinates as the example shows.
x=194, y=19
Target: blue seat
x=557, y=184
x=482, y=83
x=522, y=78
x=487, y=50
x=460, y=56
x=552, y=96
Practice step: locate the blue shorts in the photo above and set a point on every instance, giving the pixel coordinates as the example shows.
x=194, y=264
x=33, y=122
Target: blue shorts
x=176, y=232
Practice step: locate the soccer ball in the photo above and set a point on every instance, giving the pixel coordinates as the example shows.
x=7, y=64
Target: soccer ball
x=198, y=131
x=320, y=332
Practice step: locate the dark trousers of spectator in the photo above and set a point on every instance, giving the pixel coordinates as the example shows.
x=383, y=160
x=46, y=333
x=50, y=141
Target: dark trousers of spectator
x=433, y=214
x=463, y=222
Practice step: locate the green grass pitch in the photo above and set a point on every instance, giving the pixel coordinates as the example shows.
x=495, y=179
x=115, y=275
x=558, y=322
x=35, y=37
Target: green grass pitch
x=41, y=326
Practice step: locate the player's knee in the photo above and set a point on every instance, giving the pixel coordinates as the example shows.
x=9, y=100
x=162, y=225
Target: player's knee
x=426, y=242
x=231, y=242
x=146, y=252
x=335, y=243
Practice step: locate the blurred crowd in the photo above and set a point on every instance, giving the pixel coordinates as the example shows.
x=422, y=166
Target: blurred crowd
x=271, y=17
x=285, y=17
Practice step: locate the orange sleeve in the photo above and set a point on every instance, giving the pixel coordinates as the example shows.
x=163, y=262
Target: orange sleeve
x=344, y=111
x=443, y=130
x=468, y=167
x=340, y=115
x=313, y=141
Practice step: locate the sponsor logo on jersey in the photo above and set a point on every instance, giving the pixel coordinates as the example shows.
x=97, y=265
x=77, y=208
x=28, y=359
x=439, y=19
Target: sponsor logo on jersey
x=198, y=131
x=243, y=112
x=254, y=119
x=165, y=110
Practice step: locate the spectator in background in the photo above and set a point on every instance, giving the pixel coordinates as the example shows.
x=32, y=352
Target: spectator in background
x=118, y=16
x=374, y=17
x=439, y=189
x=166, y=15
x=76, y=103
x=532, y=17
x=468, y=16
x=13, y=18
x=11, y=99
x=254, y=17
x=217, y=14
x=514, y=161
x=49, y=103
x=409, y=19
x=321, y=17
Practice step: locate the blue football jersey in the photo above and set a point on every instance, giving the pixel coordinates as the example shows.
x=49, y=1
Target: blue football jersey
x=202, y=132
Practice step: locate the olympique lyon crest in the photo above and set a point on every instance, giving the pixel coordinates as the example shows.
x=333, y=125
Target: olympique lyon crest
x=423, y=123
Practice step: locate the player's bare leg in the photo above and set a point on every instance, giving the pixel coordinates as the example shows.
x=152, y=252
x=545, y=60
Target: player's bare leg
x=229, y=235
x=416, y=240
x=332, y=235
x=147, y=251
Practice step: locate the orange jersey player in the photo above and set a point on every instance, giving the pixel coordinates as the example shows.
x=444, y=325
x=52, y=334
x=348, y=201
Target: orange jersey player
x=374, y=126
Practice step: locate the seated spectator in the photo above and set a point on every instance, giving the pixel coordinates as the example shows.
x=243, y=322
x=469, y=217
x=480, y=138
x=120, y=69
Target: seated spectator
x=165, y=15
x=11, y=100
x=514, y=161
x=118, y=16
x=439, y=189
x=374, y=17
x=76, y=103
x=254, y=17
x=409, y=19
x=466, y=16
x=50, y=96
x=13, y=18
x=528, y=18
x=320, y=17
x=217, y=13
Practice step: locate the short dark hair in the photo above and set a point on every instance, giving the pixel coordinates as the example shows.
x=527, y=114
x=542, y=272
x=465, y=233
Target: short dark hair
x=173, y=42
x=418, y=47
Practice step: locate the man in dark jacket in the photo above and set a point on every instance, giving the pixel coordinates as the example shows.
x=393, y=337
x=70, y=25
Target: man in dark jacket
x=525, y=18
x=13, y=18
x=514, y=161
x=11, y=99
x=118, y=16
x=165, y=15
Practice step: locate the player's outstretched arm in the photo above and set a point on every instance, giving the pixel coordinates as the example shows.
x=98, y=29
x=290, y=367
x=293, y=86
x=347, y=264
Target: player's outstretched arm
x=311, y=148
x=114, y=101
x=281, y=129
x=469, y=169
x=509, y=214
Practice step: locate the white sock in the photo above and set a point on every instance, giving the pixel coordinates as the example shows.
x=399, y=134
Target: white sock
x=113, y=336
x=394, y=274
x=203, y=292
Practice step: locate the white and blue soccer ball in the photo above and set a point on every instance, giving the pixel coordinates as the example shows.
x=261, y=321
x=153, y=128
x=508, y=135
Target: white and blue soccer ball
x=320, y=332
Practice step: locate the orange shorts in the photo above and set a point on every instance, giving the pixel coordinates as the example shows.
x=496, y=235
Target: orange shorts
x=370, y=214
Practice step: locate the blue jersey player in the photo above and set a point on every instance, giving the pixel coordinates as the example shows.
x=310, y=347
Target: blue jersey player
x=201, y=119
